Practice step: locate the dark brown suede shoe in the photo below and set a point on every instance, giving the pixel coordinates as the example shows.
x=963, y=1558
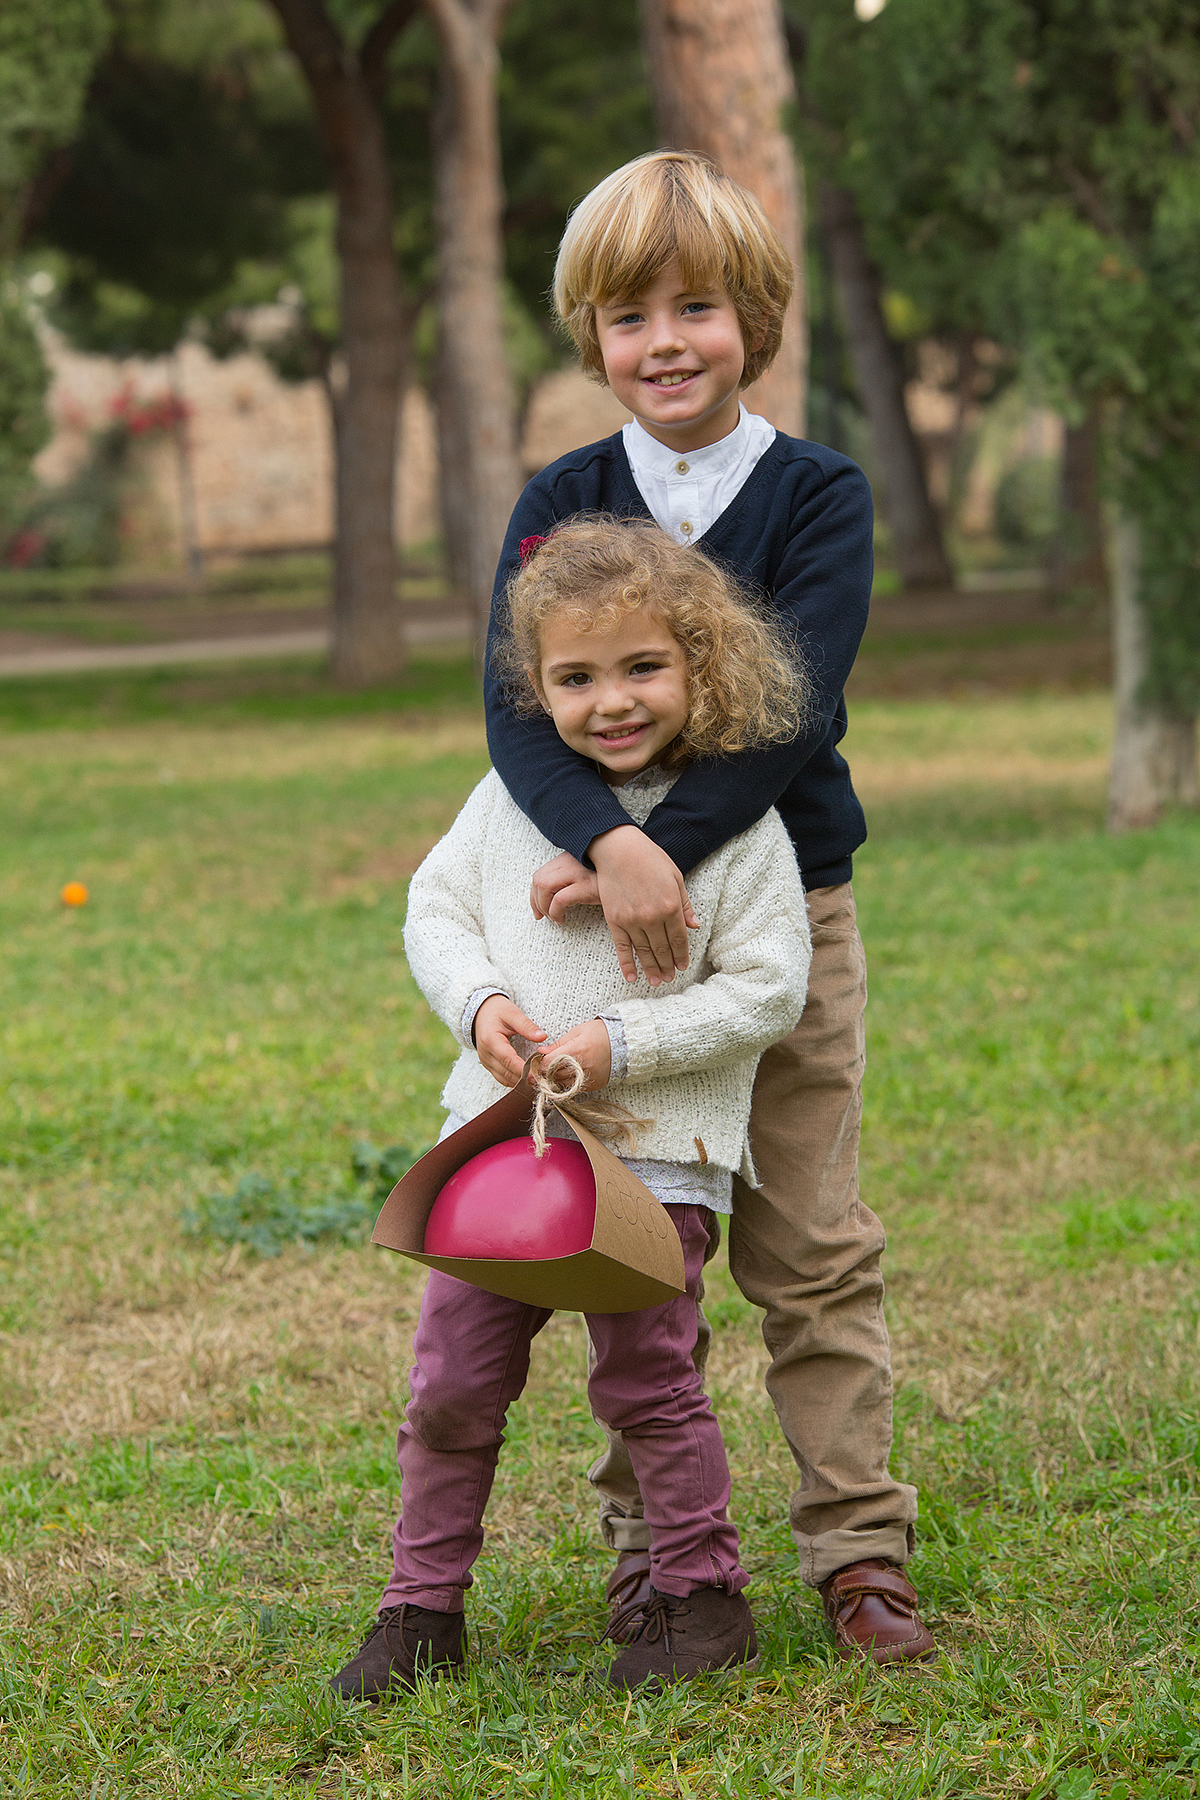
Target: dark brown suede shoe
x=872, y=1608
x=680, y=1638
x=627, y=1593
x=405, y=1644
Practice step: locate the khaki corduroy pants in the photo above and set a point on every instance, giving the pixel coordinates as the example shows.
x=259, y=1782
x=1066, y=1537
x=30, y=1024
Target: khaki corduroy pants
x=804, y=1248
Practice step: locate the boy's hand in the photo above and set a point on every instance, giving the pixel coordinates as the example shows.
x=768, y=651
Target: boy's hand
x=591, y=1047
x=646, y=905
x=496, y=1023
x=560, y=883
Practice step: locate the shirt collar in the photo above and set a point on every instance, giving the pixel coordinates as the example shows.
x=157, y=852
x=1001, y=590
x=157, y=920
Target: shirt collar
x=645, y=452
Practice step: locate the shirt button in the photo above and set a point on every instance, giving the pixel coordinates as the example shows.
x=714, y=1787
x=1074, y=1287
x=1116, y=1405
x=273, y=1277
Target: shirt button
x=682, y=467
x=686, y=527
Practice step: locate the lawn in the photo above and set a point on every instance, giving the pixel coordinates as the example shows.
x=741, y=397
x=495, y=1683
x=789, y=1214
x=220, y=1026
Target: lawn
x=197, y=1436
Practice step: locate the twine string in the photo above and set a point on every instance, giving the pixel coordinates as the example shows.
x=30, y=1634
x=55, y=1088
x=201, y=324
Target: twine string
x=602, y=1117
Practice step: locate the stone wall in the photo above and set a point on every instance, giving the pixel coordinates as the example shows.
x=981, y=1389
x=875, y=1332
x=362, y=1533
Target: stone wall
x=260, y=450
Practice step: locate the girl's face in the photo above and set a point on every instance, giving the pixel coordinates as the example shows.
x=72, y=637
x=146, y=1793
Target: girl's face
x=620, y=697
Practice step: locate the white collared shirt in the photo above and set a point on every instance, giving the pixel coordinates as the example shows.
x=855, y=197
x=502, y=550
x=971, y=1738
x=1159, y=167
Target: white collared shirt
x=688, y=491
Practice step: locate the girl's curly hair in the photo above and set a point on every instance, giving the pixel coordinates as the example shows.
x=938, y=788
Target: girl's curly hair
x=747, y=684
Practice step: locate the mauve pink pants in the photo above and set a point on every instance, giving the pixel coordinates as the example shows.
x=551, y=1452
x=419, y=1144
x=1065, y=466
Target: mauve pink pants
x=472, y=1361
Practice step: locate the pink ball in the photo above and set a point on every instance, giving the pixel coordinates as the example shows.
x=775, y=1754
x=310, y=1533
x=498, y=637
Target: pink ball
x=507, y=1205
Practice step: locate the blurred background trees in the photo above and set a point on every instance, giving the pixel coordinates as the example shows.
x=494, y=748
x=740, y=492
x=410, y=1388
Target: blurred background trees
x=369, y=193
x=46, y=60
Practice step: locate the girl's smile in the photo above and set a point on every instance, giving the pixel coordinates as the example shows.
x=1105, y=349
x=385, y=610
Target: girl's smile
x=619, y=697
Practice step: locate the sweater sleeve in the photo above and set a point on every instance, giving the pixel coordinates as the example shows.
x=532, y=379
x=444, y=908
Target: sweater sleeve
x=443, y=931
x=561, y=791
x=760, y=951
x=822, y=592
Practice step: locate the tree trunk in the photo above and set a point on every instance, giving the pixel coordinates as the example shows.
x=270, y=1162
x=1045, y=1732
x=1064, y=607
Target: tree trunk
x=1076, y=557
x=879, y=376
x=189, y=526
x=346, y=87
x=722, y=78
x=453, y=504
x=1154, y=752
x=477, y=412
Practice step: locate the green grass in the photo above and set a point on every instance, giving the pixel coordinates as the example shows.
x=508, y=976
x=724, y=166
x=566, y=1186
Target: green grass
x=293, y=689
x=198, y=1479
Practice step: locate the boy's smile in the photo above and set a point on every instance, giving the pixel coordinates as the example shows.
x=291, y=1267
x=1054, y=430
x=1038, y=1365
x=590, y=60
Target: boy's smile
x=619, y=697
x=675, y=358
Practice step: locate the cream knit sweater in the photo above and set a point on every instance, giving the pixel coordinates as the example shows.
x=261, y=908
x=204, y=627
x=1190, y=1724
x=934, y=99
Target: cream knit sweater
x=693, y=1045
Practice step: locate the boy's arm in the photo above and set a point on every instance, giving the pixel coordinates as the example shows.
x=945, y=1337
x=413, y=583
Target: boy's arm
x=822, y=592
x=760, y=952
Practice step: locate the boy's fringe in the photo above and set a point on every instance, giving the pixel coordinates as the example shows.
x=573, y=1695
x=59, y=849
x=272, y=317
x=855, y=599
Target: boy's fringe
x=604, y=1118
x=747, y=684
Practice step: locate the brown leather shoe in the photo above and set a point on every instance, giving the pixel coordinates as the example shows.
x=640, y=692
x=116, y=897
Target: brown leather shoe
x=627, y=1593
x=872, y=1608
x=700, y=1634
x=405, y=1644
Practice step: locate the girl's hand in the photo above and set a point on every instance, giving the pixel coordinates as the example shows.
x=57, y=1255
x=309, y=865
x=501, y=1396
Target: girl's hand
x=646, y=905
x=590, y=1046
x=560, y=883
x=497, y=1022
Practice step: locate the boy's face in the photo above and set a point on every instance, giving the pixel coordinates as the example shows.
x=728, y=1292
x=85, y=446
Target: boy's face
x=675, y=359
x=620, y=697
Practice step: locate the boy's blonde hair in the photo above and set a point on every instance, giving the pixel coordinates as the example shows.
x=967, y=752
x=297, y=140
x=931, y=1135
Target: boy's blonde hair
x=746, y=682
x=673, y=206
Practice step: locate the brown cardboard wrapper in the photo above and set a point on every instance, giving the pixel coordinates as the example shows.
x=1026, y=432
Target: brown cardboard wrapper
x=634, y=1260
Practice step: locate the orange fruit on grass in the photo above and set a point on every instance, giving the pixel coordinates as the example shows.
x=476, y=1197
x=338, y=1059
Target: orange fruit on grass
x=74, y=894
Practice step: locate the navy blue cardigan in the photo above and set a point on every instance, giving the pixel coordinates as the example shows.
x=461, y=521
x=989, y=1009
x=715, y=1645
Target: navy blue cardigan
x=799, y=531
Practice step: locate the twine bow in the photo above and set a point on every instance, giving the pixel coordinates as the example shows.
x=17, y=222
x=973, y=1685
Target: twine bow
x=603, y=1117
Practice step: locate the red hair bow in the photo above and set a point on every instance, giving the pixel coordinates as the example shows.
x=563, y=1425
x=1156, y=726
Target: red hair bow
x=527, y=546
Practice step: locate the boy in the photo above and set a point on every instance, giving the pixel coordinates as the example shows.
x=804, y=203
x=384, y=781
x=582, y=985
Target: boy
x=674, y=286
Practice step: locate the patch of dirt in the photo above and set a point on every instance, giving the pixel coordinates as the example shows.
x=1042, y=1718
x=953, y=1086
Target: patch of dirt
x=15, y=643
x=383, y=866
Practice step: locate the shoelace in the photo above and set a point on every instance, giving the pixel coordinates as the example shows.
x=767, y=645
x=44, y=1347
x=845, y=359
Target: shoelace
x=389, y=1617
x=659, y=1610
x=623, y=1618
x=393, y=1617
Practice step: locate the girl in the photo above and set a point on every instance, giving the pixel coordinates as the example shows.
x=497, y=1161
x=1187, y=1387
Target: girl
x=646, y=660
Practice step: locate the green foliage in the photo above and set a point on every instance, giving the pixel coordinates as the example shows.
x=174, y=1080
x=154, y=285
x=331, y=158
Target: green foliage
x=1031, y=169
x=198, y=188
x=78, y=524
x=266, y=1214
x=47, y=49
x=382, y=1168
x=24, y=379
x=174, y=182
x=1160, y=486
x=1027, y=504
x=574, y=104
